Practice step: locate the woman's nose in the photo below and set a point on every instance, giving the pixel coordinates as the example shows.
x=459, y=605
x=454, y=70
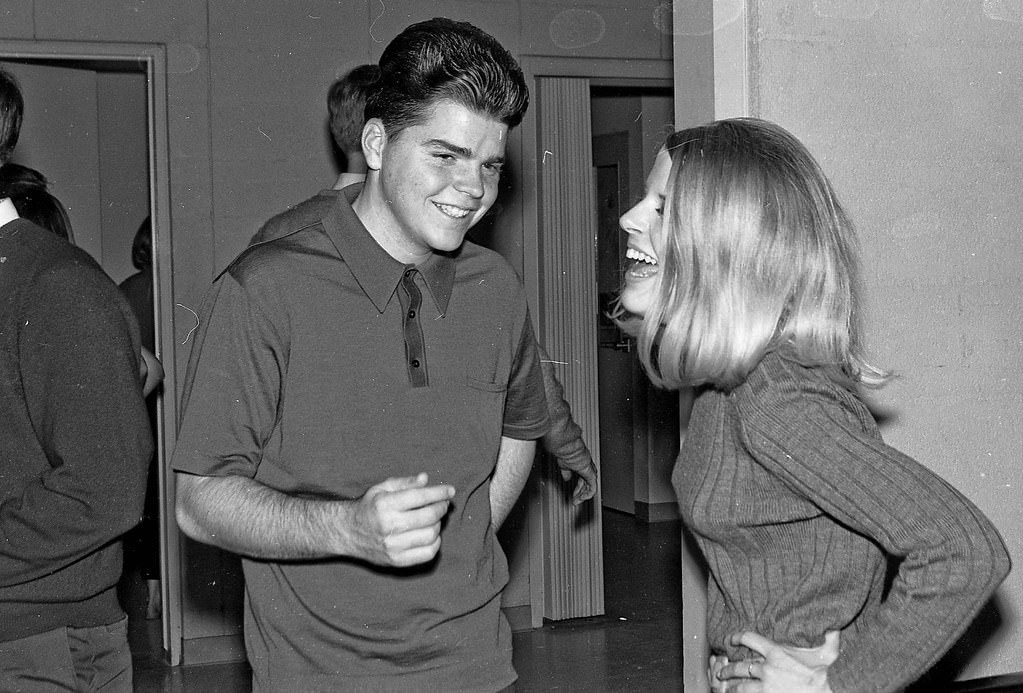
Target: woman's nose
x=629, y=223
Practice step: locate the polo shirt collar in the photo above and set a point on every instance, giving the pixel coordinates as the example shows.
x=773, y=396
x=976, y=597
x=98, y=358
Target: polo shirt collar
x=377, y=272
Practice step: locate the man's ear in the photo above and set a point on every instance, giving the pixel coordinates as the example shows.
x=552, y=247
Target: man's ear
x=374, y=139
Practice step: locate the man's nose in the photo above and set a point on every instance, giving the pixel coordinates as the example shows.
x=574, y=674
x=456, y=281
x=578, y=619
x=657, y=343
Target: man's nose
x=470, y=181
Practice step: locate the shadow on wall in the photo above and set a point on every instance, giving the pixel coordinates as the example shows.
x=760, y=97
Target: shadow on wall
x=977, y=635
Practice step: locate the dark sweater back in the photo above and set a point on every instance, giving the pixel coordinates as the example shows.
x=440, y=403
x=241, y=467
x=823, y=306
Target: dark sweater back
x=76, y=440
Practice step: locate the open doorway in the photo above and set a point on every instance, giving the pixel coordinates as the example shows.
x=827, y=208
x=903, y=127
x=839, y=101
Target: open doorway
x=95, y=126
x=639, y=431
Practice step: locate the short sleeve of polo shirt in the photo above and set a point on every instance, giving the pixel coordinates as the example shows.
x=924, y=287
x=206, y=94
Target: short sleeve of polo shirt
x=235, y=374
x=525, y=409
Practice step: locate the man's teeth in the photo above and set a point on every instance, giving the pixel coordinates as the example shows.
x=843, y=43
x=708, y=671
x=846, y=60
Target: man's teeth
x=641, y=257
x=456, y=212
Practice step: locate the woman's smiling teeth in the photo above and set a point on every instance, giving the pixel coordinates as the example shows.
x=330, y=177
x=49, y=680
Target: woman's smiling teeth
x=634, y=254
x=452, y=211
x=645, y=265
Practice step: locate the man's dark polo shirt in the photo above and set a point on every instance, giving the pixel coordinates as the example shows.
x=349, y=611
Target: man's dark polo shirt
x=316, y=372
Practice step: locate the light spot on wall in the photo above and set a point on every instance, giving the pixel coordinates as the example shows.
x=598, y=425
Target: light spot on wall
x=1004, y=10
x=572, y=29
x=694, y=18
x=182, y=58
x=728, y=11
x=662, y=18
x=846, y=9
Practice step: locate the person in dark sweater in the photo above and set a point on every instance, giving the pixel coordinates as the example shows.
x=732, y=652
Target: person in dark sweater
x=73, y=454
x=28, y=190
x=745, y=288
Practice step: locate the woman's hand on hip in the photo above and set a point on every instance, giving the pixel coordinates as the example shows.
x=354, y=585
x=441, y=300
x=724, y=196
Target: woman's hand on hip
x=779, y=669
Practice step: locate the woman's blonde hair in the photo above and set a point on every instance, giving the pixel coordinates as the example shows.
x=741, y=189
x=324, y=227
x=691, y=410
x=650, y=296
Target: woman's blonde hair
x=758, y=256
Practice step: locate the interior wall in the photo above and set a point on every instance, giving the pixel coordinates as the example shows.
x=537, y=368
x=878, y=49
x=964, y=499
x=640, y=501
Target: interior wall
x=913, y=110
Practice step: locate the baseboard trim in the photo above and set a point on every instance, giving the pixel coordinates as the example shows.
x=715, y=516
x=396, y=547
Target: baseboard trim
x=519, y=617
x=656, y=512
x=213, y=650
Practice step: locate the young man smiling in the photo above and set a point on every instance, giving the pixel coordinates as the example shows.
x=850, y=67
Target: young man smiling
x=364, y=395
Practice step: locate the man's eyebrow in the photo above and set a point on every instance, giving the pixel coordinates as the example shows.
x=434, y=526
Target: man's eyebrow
x=458, y=149
x=450, y=146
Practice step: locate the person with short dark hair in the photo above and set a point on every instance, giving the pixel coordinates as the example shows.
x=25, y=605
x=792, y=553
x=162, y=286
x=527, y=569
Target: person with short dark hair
x=28, y=189
x=12, y=109
x=364, y=395
x=73, y=455
x=346, y=106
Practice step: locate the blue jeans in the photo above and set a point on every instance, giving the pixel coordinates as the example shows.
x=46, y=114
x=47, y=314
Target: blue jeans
x=68, y=659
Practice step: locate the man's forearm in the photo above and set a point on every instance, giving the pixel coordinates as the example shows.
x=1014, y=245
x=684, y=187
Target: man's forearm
x=395, y=523
x=514, y=460
x=244, y=516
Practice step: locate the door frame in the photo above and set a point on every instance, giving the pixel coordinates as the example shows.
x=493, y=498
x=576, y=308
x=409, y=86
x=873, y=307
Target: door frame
x=152, y=60
x=549, y=532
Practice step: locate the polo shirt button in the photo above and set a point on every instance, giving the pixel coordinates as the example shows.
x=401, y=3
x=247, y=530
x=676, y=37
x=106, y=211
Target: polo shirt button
x=415, y=363
x=411, y=314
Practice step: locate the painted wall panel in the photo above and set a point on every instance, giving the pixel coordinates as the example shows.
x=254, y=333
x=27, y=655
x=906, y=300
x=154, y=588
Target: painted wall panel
x=623, y=30
x=181, y=21
x=501, y=19
x=16, y=18
x=269, y=79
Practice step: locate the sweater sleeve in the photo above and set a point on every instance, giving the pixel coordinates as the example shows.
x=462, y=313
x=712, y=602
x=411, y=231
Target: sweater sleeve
x=79, y=361
x=823, y=443
x=564, y=440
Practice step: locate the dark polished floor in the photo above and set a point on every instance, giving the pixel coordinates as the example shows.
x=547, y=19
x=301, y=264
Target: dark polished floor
x=636, y=646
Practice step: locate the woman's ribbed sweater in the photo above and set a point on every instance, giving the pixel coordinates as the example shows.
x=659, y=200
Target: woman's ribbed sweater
x=797, y=505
